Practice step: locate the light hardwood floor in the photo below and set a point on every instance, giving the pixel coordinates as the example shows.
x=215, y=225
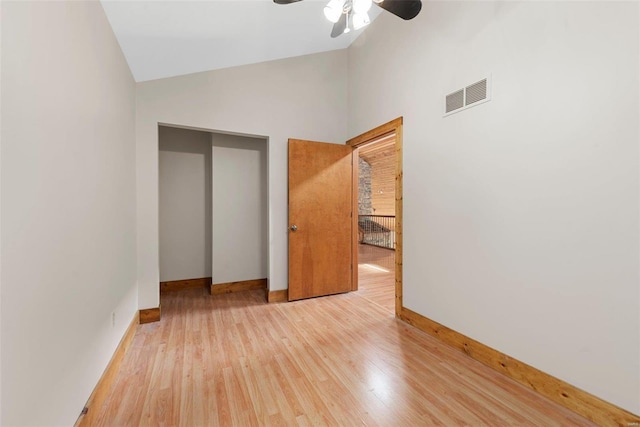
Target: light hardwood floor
x=342, y=360
x=376, y=276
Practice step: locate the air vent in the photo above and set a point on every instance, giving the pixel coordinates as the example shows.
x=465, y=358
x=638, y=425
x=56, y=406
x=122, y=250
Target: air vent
x=455, y=101
x=468, y=97
x=476, y=92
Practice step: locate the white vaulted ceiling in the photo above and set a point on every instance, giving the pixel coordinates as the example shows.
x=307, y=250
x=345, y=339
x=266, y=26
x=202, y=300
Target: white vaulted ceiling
x=169, y=38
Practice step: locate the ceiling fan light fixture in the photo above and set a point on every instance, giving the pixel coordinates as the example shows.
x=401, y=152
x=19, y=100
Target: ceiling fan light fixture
x=333, y=10
x=360, y=20
x=348, y=14
x=362, y=6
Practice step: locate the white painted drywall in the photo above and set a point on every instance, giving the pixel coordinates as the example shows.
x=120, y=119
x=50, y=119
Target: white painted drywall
x=0, y=212
x=169, y=38
x=521, y=215
x=68, y=207
x=185, y=204
x=240, y=208
x=303, y=97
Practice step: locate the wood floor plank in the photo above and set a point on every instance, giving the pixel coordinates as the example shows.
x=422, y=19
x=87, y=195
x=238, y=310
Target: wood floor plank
x=233, y=359
x=376, y=276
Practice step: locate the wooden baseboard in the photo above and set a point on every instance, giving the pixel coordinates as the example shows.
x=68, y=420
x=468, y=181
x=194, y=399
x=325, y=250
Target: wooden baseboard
x=572, y=398
x=278, y=296
x=246, y=285
x=149, y=315
x=89, y=414
x=179, y=285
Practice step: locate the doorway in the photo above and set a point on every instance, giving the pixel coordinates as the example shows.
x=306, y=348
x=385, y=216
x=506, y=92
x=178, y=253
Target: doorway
x=377, y=194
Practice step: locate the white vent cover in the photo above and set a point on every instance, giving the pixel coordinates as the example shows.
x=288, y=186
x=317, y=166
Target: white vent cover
x=455, y=101
x=470, y=96
x=476, y=92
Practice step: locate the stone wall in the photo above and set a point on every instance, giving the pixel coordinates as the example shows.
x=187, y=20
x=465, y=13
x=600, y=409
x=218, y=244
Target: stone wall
x=364, y=188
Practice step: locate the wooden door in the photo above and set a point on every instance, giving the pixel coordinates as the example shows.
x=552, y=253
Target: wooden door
x=320, y=223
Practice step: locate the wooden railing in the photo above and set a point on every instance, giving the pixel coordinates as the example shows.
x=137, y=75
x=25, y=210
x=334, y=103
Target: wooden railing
x=377, y=230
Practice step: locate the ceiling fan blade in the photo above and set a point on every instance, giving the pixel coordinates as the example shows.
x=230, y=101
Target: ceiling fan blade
x=405, y=9
x=285, y=1
x=339, y=27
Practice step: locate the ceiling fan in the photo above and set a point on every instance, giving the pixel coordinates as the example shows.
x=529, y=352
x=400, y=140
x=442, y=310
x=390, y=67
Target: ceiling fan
x=348, y=14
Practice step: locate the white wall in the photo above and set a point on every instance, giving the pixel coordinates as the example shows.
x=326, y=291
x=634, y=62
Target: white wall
x=185, y=204
x=240, y=208
x=521, y=215
x=303, y=97
x=0, y=212
x=68, y=207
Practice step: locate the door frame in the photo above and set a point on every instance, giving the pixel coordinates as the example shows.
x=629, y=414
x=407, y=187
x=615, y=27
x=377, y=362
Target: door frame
x=394, y=126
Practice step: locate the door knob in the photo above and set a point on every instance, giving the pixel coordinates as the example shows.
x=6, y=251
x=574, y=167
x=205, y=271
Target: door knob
x=293, y=227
